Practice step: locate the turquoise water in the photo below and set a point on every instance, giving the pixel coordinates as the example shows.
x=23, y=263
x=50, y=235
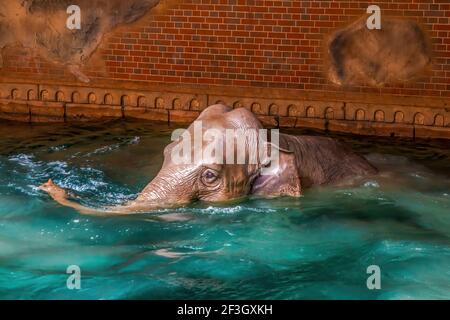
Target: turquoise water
x=316, y=247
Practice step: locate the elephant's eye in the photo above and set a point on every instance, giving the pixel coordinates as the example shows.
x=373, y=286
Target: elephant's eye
x=209, y=176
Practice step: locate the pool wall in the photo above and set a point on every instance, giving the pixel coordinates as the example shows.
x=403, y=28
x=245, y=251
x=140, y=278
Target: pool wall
x=290, y=62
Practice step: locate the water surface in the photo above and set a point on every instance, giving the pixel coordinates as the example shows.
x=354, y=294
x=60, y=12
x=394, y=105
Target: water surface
x=315, y=247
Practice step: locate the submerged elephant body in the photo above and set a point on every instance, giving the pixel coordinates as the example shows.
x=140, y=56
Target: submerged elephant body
x=321, y=161
x=302, y=162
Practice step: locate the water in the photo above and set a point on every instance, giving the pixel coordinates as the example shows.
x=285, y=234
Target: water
x=316, y=247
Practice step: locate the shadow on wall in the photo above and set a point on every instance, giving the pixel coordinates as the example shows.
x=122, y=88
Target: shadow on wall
x=50, y=37
x=399, y=51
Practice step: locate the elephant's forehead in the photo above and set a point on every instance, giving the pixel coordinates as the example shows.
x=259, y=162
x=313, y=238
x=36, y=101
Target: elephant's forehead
x=217, y=123
x=221, y=124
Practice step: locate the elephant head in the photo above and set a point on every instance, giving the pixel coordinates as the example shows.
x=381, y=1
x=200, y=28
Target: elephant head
x=204, y=169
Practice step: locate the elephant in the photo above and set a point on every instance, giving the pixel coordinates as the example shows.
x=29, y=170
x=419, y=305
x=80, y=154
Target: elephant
x=302, y=162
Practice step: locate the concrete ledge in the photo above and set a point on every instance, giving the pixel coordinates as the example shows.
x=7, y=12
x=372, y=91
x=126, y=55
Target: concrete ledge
x=287, y=122
x=181, y=116
x=146, y=114
x=431, y=132
x=14, y=110
x=372, y=128
x=43, y=111
x=269, y=121
x=92, y=111
x=320, y=124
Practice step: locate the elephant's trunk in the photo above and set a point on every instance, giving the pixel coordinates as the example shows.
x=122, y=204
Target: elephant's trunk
x=171, y=187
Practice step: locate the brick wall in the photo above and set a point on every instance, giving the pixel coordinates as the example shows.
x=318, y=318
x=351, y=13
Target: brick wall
x=247, y=43
x=267, y=56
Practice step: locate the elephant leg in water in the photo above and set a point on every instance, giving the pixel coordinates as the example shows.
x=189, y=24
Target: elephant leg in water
x=303, y=162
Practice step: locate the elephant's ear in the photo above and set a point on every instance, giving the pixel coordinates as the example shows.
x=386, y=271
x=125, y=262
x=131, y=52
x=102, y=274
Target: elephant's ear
x=281, y=180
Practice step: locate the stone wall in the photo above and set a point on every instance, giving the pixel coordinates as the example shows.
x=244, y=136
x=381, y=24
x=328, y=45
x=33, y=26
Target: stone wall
x=272, y=57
